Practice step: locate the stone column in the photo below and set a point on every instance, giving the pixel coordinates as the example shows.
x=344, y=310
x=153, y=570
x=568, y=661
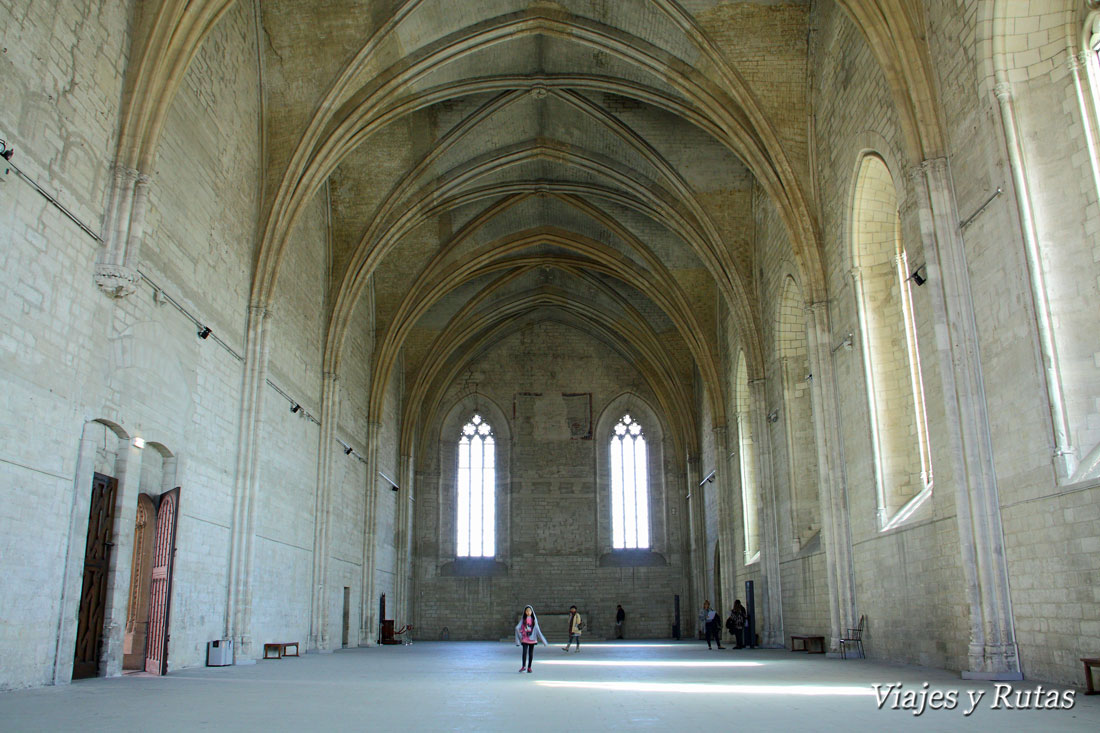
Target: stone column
x=326, y=456
x=697, y=516
x=72, y=582
x=238, y=620
x=402, y=530
x=836, y=530
x=118, y=578
x=368, y=632
x=772, y=595
x=725, y=486
x=992, y=653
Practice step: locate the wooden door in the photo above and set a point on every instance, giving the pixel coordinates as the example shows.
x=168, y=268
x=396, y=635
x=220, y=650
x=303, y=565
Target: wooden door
x=97, y=561
x=160, y=594
x=137, y=616
x=347, y=618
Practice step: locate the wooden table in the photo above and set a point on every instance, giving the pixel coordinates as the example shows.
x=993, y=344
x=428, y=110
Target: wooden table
x=280, y=649
x=810, y=644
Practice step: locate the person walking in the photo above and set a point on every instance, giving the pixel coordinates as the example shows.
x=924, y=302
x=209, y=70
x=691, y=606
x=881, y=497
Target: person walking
x=710, y=621
x=575, y=626
x=620, y=619
x=528, y=634
x=735, y=624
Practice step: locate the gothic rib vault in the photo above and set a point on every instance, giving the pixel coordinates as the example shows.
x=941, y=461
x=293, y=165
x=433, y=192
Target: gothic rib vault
x=383, y=206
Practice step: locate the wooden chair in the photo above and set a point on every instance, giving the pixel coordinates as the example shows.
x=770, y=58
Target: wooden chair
x=854, y=638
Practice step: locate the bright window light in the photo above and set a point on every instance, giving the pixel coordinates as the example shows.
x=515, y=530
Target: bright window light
x=697, y=688
x=475, y=520
x=629, y=486
x=642, y=663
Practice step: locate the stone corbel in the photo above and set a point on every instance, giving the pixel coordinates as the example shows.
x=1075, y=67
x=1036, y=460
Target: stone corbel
x=117, y=281
x=115, y=273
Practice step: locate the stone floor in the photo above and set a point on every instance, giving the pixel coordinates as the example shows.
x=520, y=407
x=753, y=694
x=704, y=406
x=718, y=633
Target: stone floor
x=476, y=686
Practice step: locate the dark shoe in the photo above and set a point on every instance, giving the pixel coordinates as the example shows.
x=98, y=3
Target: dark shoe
x=528, y=670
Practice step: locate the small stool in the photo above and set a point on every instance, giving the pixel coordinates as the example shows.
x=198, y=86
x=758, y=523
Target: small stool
x=1089, y=664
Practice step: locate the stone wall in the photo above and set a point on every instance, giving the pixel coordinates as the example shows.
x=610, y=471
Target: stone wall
x=552, y=530
x=77, y=363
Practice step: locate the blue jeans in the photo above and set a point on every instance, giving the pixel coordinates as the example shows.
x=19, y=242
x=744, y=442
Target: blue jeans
x=572, y=638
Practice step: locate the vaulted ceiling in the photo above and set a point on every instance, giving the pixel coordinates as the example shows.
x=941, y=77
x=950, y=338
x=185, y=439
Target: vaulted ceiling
x=594, y=162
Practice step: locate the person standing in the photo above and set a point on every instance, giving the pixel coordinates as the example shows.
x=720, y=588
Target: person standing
x=575, y=626
x=528, y=634
x=620, y=619
x=735, y=624
x=710, y=621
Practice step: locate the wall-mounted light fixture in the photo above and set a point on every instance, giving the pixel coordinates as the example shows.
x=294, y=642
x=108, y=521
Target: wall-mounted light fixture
x=138, y=442
x=204, y=332
x=708, y=479
x=390, y=481
x=347, y=450
x=918, y=277
x=295, y=407
x=773, y=416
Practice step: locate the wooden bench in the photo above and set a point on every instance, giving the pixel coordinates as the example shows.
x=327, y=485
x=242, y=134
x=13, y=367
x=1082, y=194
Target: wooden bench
x=809, y=644
x=280, y=649
x=1089, y=664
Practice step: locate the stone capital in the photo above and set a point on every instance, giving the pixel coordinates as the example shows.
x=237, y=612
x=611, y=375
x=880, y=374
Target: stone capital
x=919, y=173
x=126, y=173
x=117, y=281
x=263, y=311
x=1077, y=61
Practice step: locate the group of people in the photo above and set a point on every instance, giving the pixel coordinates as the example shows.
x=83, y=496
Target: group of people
x=528, y=633
x=735, y=624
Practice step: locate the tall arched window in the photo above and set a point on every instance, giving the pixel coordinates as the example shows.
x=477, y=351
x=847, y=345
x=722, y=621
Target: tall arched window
x=794, y=365
x=895, y=389
x=475, y=524
x=629, y=486
x=747, y=454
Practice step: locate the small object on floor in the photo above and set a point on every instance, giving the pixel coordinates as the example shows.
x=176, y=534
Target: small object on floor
x=280, y=649
x=1089, y=664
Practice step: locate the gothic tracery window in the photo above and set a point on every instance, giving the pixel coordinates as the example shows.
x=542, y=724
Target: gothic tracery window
x=476, y=488
x=629, y=486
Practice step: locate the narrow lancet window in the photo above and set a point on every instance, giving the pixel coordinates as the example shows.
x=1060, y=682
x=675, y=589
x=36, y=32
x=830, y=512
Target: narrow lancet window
x=476, y=484
x=629, y=486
